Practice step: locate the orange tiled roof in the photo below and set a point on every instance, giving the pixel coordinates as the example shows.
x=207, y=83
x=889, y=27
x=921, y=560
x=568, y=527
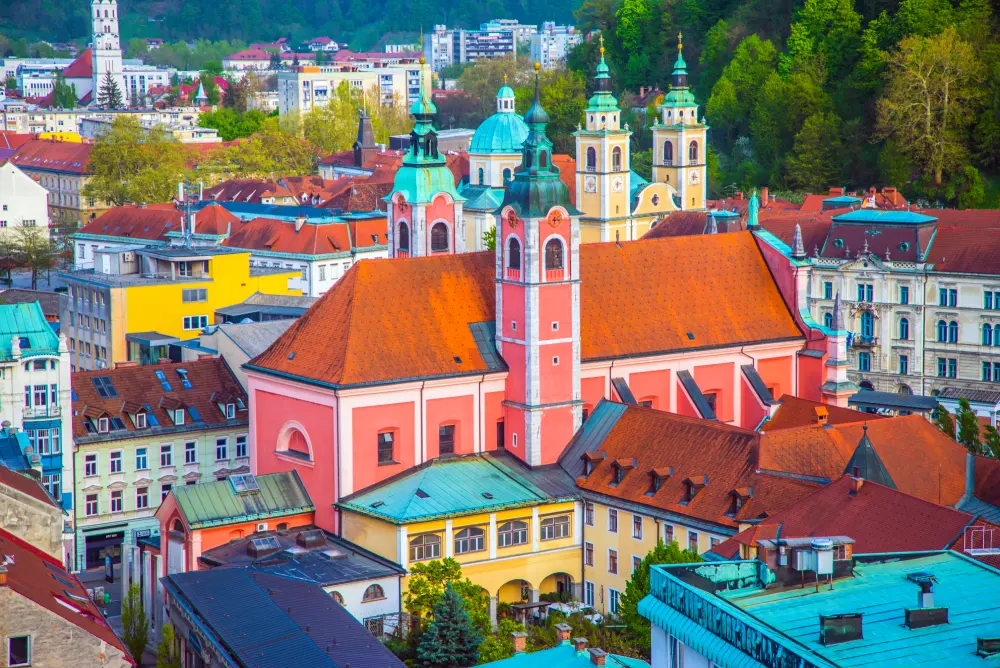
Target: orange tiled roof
x=665, y=289
x=692, y=448
x=55, y=156
x=216, y=219
x=13, y=140
x=280, y=236
x=920, y=459
x=798, y=412
x=212, y=383
x=154, y=221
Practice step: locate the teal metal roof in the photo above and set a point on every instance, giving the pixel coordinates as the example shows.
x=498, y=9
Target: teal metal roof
x=564, y=655
x=216, y=503
x=846, y=200
x=881, y=591
x=481, y=198
x=503, y=132
x=420, y=183
x=27, y=322
x=449, y=487
x=884, y=217
x=505, y=93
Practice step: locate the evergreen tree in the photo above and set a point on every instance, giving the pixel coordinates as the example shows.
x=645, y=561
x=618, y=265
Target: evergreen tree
x=815, y=161
x=968, y=427
x=992, y=442
x=452, y=641
x=110, y=94
x=638, y=587
x=167, y=655
x=944, y=421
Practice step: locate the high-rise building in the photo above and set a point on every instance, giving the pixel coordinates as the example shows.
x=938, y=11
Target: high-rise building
x=551, y=44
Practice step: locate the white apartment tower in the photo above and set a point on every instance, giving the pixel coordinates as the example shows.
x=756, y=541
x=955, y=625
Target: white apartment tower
x=107, y=48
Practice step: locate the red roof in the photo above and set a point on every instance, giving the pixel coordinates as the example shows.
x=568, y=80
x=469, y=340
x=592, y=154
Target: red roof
x=55, y=156
x=42, y=579
x=154, y=221
x=966, y=250
x=798, y=412
x=82, y=67
x=216, y=219
x=213, y=386
x=691, y=448
x=280, y=236
x=250, y=54
x=26, y=485
x=671, y=299
x=920, y=459
x=13, y=140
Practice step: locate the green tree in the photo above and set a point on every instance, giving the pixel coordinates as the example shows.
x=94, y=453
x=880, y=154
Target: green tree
x=637, y=587
x=452, y=641
x=814, y=164
x=929, y=101
x=109, y=94
x=33, y=250
x=428, y=580
x=944, y=421
x=490, y=238
x=167, y=654
x=563, y=94
x=274, y=151
x=131, y=163
x=968, y=427
x=500, y=645
x=834, y=29
x=135, y=624
x=992, y=442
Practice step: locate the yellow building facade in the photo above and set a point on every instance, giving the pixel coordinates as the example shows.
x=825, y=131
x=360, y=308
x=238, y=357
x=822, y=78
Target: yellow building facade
x=138, y=301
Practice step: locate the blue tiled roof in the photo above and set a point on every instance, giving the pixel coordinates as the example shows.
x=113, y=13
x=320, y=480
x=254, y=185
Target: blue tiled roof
x=27, y=322
x=884, y=217
x=250, y=210
x=12, y=450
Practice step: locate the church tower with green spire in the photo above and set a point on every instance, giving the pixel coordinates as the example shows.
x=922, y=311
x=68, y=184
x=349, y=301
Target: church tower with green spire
x=425, y=207
x=538, y=301
x=603, y=176
x=680, y=141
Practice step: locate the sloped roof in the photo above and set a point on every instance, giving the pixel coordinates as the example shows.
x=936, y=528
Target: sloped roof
x=216, y=503
x=13, y=140
x=965, y=250
x=54, y=156
x=82, y=67
x=503, y=132
x=280, y=236
x=798, y=412
x=449, y=487
x=215, y=219
x=49, y=301
x=667, y=290
x=151, y=222
x=26, y=321
x=687, y=448
x=26, y=484
x=211, y=381
x=33, y=574
x=563, y=655
x=253, y=338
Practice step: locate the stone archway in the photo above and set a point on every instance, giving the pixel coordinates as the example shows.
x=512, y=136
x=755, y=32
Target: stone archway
x=560, y=585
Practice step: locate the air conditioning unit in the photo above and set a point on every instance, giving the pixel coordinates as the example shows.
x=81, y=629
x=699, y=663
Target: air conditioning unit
x=261, y=526
x=128, y=256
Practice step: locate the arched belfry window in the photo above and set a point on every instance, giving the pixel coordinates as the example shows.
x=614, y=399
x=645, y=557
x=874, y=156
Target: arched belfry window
x=439, y=238
x=668, y=153
x=591, y=159
x=403, y=242
x=616, y=159
x=553, y=254
x=693, y=152
x=482, y=176
x=543, y=160
x=514, y=254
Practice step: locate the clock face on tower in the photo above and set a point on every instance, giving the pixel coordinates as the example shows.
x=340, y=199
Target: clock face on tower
x=590, y=184
x=694, y=178
x=617, y=184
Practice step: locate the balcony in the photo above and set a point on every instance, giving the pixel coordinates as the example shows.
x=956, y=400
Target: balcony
x=861, y=341
x=553, y=275
x=41, y=411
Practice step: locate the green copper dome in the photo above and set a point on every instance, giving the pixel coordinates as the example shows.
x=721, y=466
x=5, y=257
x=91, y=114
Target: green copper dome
x=503, y=132
x=505, y=93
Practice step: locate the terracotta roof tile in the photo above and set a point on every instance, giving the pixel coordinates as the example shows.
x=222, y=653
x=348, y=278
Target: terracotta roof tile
x=154, y=221
x=280, y=236
x=56, y=156
x=13, y=140
x=967, y=250
x=667, y=291
x=688, y=223
x=210, y=379
x=798, y=412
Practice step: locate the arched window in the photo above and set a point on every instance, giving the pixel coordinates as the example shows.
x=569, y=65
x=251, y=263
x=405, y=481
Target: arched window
x=591, y=159
x=828, y=320
x=482, y=176
x=373, y=593
x=427, y=546
x=987, y=335
x=942, y=331
x=514, y=254
x=439, y=238
x=904, y=329
x=616, y=159
x=668, y=153
x=553, y=254
x=469, y=540
x=512, y=533
x=337, y=597
x=952, y=332
x=506, y=176
x=867, y=324
x=693, y=152
x=996, y=336
x=105, y=13
x=292, y=441
x=403, y=242
x=905, y=389
x=543, y=160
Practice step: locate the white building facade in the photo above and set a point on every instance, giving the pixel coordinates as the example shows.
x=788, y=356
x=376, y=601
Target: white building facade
x=23, y=202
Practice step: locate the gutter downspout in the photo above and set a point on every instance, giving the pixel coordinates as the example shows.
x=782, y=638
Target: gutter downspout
x=970, y=480
x=339, y=475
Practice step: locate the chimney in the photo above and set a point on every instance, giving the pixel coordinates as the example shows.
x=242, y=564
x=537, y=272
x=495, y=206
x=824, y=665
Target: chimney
x=764, y=197
x=597, y=656
x=857, y=482
x=299, y=222
x=3, y=575
x=562, y=632
x=970, y=478
x=738, y=196
x=519, y=638
x=925, y=614
x=580, y=644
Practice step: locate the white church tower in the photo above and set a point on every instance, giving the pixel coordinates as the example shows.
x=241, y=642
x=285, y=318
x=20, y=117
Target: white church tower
x=107, y=48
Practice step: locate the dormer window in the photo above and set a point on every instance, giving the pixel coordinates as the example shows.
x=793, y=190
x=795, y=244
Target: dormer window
x=103, y=425
x=590, y=461
x=230, y=411
x=140, y=420
x=620, y=468
x=737, y=499
x=179, y=416
x=658, y=477
x=692, y=486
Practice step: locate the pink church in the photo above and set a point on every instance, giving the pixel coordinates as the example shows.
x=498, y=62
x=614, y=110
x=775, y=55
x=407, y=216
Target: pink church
x=434, y=353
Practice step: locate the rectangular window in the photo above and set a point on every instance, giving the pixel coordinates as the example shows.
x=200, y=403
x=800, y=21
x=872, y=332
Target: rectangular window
x=446, y=439
x=942, y=367
x=53, y=395
x=904, y=294
x=588, y=554
x=904, y=365
x=90, y=507
x=953, y=368
x=864, y=362
x=986, y=371
x=554, y=527
x=668, y=534
x=53, y=485
x=241, y=446
x=636, y=562
x=588, y=514
x=500, y=434
x=167, y=454
x=90, y=464
x=827, y=290
x=141, y=498
x=637, y=527
x=141, y=464
x=613, y=562
x=386, y=451
x=588, y=593
x=693, y=541
x=27, y=396
x=942, y=297
x=41, y=395
x=612, y=520
x=115, y=462
x=191, y=452
x=116, y=500
x=164, y=491
x=221, y=449
x=19, y=651
x=140, y=420
x=996, y=372
x=952, y=297
x=195, y=321
x=195, y=295
x=613, y=601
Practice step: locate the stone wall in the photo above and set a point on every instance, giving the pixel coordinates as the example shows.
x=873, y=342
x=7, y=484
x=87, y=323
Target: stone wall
x=34, y=521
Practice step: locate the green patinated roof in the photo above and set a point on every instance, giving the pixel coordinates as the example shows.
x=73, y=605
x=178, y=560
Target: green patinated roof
x=564, y=656
x=885, y=217
x=26, y=320
x=481, y=198
x=419, y=183
x=450, y=487
x=503, y=132
x=505, y=93
x=216, y=503
x=679, y=97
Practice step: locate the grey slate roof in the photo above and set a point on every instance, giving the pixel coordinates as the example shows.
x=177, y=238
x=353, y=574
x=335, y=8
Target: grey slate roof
x=757, y=383
x=977, y=396
x=697, y=398
x=49, y=301
x=868, y=464
x=255, y=337
x=294, y=301
x=590, y=436
x=893, y=400
x=269, y=621
x=12, y=450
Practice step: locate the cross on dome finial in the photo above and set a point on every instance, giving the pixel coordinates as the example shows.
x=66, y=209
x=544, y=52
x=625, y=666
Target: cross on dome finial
x=680, y=41
x=505, y=77
x=602, y=45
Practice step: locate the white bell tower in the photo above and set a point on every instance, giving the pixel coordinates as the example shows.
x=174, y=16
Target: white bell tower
x=107, y=48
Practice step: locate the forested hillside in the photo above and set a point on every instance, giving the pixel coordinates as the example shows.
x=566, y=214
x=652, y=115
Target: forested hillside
x=826, y=92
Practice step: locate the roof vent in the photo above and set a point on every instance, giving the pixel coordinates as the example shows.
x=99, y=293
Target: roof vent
x=690, y=336
x=925, y=614
x=836, y=629
x=259, y=547
x=311, y=538
x=986, y=647
x=487, y=495
x=422, y=494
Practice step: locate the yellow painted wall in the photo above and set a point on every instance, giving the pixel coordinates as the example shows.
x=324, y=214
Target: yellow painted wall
x=70, y=137
x=375, y=535
x=117, y=318
x=159, y=307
